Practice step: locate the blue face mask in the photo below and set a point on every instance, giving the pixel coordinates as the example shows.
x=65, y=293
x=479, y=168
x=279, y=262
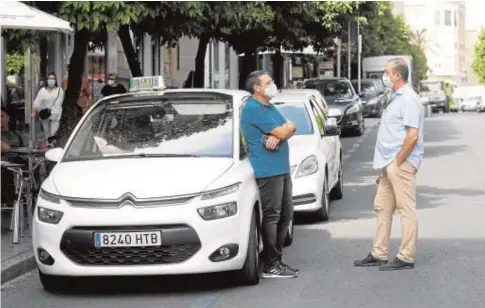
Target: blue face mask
x=51, y=83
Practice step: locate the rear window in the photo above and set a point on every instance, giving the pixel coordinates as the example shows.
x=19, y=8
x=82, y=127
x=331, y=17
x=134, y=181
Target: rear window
x=298, y=114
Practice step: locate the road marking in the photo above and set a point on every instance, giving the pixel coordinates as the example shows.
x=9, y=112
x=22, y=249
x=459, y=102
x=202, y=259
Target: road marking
x=205, y=301
x=346, y=156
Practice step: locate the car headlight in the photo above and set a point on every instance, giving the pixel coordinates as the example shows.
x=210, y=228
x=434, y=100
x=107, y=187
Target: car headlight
x=51, y=198
x=353, y=109
x=49, y=216
x=218, y=211
x=216, y=193
x=333, y=112
x=372, y=101
x=308, y=166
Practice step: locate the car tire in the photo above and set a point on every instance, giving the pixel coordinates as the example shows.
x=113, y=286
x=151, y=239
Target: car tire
x=249, y=274
x=359, y=131
x=289, y=234
x=337, y=192
x=322, y=213
x=54, y=284
x=379, y=113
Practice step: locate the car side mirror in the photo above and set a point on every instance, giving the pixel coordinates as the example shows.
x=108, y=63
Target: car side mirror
x=332, y=128
x=54, y=154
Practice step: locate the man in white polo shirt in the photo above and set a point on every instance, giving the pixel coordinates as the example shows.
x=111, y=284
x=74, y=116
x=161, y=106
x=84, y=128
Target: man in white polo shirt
x=398, y=154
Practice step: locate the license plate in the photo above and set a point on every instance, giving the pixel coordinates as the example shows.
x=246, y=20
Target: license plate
x=128, y=239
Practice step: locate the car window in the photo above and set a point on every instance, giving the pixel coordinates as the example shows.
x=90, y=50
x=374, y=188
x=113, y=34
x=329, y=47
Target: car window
x=319, y=117
x=172, y=126
x=298, y=114
x=331, y=88
x=369, y=89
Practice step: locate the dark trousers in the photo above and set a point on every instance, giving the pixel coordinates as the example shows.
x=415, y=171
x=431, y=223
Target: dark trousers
x=277, y=203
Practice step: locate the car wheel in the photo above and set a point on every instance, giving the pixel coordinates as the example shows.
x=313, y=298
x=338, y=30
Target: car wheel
x=360, y=130
x=54, y=284
x=338, y=191
x=249, y=274
x=289, y=235
x=379, y=113
x=322, y=213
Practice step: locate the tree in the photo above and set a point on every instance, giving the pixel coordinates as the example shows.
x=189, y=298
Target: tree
x=418, y=37
x=14, y=63
x=479, y=61
x=91, y=21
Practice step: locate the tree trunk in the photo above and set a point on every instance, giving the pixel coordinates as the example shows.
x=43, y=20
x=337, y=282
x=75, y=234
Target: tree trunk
x=200, y=62
x=70, y=110
x=247, y=66
x=278, y=69
x=130, y=53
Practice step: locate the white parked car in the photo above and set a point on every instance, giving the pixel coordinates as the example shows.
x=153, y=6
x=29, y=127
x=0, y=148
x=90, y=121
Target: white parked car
x=312, y=93
x=151, y=183
x=315, y=154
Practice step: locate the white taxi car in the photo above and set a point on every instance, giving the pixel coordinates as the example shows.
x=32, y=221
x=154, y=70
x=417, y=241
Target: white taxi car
x=151, y=183
x=315, y=153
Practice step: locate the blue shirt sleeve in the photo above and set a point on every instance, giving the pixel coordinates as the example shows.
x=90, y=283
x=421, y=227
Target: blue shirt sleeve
x=262, y=119
x=412, y=114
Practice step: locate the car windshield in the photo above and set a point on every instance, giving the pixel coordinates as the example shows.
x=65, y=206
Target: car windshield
x=298, y=114
x=430, y=87
x=336, y=89
x=368, y=88
x=174, y=126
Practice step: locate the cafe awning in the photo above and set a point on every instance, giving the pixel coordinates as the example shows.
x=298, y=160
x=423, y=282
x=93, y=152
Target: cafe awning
x=17, y=15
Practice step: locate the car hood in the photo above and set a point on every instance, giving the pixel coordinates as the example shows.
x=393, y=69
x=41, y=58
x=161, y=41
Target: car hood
x=341, y=104
x=302, y=146
x=142, y=177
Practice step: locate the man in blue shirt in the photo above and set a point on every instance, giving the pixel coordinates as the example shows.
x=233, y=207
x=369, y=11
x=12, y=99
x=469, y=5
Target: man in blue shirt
x=266, y=133
x=398, y=154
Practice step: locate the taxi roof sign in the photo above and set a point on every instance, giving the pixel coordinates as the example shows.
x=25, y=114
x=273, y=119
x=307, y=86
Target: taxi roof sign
x=147, y=83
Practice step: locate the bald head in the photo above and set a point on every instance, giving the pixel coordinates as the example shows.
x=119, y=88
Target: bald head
x=400, y=66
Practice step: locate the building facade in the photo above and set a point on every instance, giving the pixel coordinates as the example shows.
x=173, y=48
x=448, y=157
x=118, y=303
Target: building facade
x=440, y=29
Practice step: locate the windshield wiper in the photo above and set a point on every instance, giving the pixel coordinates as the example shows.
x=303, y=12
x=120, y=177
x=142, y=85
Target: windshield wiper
x=162, y=155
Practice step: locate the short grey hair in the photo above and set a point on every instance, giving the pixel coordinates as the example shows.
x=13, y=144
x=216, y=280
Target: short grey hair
x=401, y=66
x=254, y=78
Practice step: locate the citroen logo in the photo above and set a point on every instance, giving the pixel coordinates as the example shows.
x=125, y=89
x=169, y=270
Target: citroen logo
x=128, y=199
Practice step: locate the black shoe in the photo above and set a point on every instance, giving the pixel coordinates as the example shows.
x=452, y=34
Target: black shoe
x=370, y=260
x=278, y=271
x=397, y=264
x=296, y=270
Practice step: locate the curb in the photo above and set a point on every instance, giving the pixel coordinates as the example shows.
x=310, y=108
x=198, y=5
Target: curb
x=17, y=266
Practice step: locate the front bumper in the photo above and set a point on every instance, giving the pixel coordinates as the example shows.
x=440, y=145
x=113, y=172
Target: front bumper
x=187, y=241
x=307, y=193
x=349, y=121
x=371, y=110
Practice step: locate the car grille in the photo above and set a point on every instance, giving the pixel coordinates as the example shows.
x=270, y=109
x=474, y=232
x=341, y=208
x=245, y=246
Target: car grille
x=131, y=255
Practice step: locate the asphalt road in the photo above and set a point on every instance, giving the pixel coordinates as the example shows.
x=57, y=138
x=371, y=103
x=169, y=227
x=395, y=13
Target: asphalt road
x=449, y=271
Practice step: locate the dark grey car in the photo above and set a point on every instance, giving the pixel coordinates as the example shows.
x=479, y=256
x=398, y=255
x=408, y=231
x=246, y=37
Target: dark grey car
x=343, y=102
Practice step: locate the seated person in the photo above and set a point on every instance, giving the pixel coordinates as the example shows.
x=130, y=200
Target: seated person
x=10, y=139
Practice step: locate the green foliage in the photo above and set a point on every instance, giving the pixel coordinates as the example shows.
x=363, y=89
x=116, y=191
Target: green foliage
x=386, y=34
x=14, y=63
x=479, y=61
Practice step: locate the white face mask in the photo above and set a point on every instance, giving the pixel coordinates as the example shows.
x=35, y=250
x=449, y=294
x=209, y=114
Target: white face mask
x=111, y=82
x=271, y=91
x=387, y=81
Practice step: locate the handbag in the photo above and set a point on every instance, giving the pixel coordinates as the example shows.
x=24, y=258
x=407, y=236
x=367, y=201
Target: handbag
x=46, y=113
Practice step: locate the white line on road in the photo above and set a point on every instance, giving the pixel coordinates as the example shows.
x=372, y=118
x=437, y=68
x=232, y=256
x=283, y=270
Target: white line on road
x=205, y=301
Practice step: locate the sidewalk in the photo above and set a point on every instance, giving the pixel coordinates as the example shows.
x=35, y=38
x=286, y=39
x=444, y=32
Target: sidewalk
x=17, y=259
